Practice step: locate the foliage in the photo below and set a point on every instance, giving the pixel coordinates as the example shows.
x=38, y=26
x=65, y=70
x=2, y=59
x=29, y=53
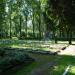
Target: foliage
x=12, y=59
x=38, y=16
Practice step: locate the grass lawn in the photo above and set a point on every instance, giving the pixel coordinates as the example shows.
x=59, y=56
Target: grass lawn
x=40, y=60
x=62, y=61
x=72, y=71
x=62, y=64
x=33, y=44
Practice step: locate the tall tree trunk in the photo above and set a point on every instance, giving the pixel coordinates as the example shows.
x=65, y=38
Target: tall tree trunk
x=20, y=25
x=2, y=10
x=55, y=36
x=39, y=28
x=56, y=39
x=70, y=37
x=33, y=24
x=10, y=26
x=39, y=20
x=20, y=17
x=26, y=26
x=10, y=20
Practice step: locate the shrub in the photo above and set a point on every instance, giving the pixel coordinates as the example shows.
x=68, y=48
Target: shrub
x=2, y=52
x=13, y=58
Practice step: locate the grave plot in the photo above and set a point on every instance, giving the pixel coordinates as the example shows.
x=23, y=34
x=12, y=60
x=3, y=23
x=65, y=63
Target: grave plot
x=12, y=58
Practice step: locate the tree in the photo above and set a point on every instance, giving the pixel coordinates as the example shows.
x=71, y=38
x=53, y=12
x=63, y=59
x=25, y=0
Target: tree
x=61, y=8
x=2, y=17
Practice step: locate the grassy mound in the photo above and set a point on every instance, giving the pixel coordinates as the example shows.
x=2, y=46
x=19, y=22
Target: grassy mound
x=13, y=58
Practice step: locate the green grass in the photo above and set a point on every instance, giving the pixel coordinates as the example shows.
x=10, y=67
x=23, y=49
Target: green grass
x=40, y=60
x=31, y=44
x=72, y=70
x=62, y=61
x=62, y=64
x=26, y=69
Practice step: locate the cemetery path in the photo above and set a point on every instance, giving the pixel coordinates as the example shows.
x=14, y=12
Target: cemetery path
x=70, y=50
x=44, y=69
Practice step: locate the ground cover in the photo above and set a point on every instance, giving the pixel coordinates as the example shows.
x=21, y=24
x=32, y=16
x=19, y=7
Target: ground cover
x=10, y=58
x=60, y=61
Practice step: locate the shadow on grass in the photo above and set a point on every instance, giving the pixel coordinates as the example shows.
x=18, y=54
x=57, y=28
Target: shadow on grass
x=62, y=62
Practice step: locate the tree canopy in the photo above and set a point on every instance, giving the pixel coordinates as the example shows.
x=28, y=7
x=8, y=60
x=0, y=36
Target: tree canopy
x=33, y=18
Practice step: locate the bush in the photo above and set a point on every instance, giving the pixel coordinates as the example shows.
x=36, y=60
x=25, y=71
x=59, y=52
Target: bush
x=5, y=64
x=13, y=58
x=2, y=52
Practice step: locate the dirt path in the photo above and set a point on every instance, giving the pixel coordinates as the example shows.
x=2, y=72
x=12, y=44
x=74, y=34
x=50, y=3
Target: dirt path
x=68, y=51
x=46, y=64
x=42, y=70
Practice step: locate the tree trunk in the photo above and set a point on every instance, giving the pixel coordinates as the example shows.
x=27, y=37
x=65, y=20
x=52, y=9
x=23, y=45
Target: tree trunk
x=10, y=26
x=26, y=26
x=2, y=11
x=39, y=20
x=70, y=37
x=10, y=21
x=20, y=25
x=39, y=28
x=33, y=23
x=55, y=37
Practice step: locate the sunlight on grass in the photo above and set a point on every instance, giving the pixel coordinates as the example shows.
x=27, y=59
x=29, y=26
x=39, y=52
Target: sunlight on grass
x=58, y=70
x=40, y=60
x=62, y=63
x=72, y=70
